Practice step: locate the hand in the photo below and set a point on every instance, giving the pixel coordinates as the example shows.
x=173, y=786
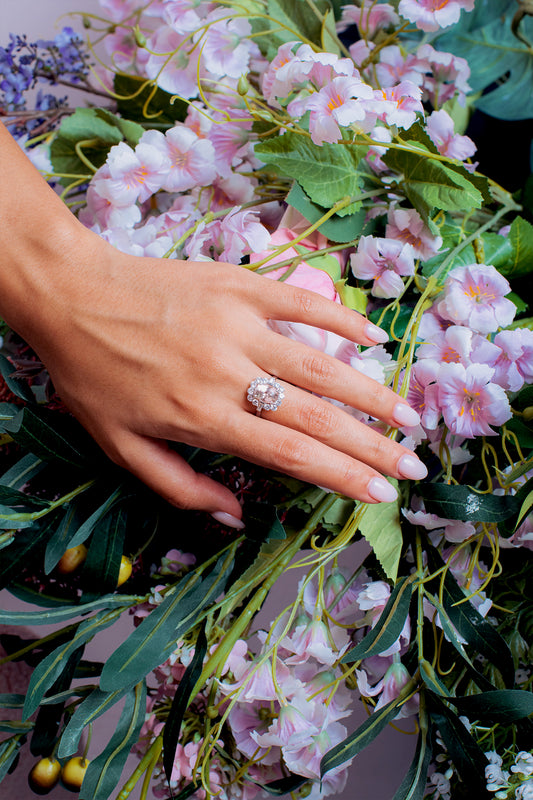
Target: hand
x=145, y=351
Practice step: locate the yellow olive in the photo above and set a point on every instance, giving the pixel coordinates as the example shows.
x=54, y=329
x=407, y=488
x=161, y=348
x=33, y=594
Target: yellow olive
x=44, y=775
x=73, y=772
x=125, y=570
x=72, y=559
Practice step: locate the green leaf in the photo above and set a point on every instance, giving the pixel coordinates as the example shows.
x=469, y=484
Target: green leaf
x=52, y=436
x=521, y=239
x=87, y=527
x=336, y=229
x=149, y=104
x=430, y=184
x=475, y=629
x=357, y=741
x=103, y=773
x=155, y=638
x=45, y=674
x=11, y=700
x=413, y=786
x=327, y=173
x=96, y=704
x=463, y=502
x=20, y=501
x=497, y=59
x=64, y=613
x=8, y=752
x=380, y=525
x=467, y=756
x=500, y=706
x=13, y=726
x=22, y=471
x=15, y=385
x=525, y=509
x=101, y=568
x=171, y=732
x=300, y=18
x=352, y=296
x=522, y=431
x=291, y=783
x=389, y=626
x=262, y=522
x=26, y=550
x=59, y=541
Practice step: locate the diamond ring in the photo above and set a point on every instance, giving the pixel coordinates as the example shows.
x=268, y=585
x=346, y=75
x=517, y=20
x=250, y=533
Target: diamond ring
x=265, y=394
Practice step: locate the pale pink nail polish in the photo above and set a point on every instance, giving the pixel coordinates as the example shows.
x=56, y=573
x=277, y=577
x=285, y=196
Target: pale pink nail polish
x=411, y=467
x=377, y=335
x=228, y=519
x=405, y=415
x=382, y=490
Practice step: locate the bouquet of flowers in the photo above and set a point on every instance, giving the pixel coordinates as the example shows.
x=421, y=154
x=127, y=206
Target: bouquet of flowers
x=318, y=142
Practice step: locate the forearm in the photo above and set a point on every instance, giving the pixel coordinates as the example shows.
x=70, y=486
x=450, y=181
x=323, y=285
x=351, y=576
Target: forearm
x=39, y=237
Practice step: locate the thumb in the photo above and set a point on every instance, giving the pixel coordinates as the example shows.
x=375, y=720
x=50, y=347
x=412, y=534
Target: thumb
x=168, y=474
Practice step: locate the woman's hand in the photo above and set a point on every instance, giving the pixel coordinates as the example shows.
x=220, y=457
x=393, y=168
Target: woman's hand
x=146, y=351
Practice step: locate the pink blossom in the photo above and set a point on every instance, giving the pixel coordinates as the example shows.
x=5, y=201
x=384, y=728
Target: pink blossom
x=384, y=260
x=231, y=140
x=470, y=402
x=286, y=71
x=474, y=295
x=394, y=66
x=119, y=10
x=236, y=235
x=470, y=577
x=122, y=49
x=440, y=128
x=369, y=20
x=514, y=364
x=175, y=560
x=134, y=174
x=185, y=16
x=293, y=725
x=397, y=105
x=306, y=760
x=430, y=15
x=456, y=453
x=394, y=680
x=175, y=73
x=423, y=391
x=408, y=226
x=191, y=159
x=314, y=639
x=225, y=47
x=448, y=75
x=250, y=720
x=337, y=104
x=454, y=530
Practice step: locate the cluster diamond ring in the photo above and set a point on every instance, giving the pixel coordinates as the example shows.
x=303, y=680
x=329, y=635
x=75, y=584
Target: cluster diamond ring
x=265, y=394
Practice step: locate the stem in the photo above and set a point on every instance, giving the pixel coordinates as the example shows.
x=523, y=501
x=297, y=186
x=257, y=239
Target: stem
x=152, y=754
x=52, y=507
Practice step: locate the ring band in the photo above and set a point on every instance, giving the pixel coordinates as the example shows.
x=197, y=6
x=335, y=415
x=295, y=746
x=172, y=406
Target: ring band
x=265, y=394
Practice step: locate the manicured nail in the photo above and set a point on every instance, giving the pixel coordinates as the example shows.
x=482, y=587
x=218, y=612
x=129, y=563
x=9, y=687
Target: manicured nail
x=411, y=467
x=228, y=519
x=405, y=415
x=377, y=335
x=382, y=490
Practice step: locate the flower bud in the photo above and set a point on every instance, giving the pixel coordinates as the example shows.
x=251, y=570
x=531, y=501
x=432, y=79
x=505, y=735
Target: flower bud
x=243, y=86
x=140, y=38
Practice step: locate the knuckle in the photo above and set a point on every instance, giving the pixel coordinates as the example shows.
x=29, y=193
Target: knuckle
x=317, y=421
x=305, y=302
x=316, y=368
x=292, y=455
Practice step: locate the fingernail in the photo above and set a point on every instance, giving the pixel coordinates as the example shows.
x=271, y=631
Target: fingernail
x=411, y=467
x=228, y=519
x=405, y=415
x=376, y=334
x=382, y=490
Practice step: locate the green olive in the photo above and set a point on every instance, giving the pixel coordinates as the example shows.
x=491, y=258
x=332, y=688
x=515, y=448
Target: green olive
x=44, y=775
x=73, y=773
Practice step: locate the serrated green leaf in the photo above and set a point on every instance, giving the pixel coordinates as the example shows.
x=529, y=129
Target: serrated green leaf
x=351, y=296
x=501, y=705
x=366, y=733
x=336, y=229
x=155, y=638
x=171, y=732
x=463, y=502
x=430, y=184
x=48, y=670
x=389, y=626
x=262, y=522
x=327, y=173
x=300, y=18
x=92, y=133
x=467, y=756
x=380, y=525
x=104, y=771
x=521, y=239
